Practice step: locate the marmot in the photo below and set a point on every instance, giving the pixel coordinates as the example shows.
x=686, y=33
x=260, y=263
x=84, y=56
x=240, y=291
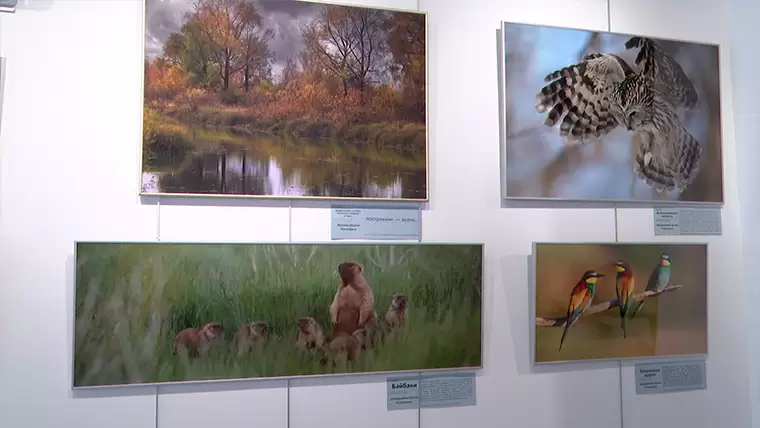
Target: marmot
x=251, y=334
x=197, y=340
x=396, y=315
x=310, y=334
x=346, y=347
x=353, y=306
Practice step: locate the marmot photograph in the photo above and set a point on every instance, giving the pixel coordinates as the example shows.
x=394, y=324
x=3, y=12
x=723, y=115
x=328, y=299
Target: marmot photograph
x=156, y=312
x=598, y=116
x=284, y=98
x=619, y=301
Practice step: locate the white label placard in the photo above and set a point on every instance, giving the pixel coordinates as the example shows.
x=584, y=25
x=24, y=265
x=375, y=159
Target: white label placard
x=688, y=221
x=431, y=391
x=657, y=378
x=375, y=223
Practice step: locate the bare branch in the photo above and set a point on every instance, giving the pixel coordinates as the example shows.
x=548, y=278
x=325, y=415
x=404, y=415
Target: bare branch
x=601, y=307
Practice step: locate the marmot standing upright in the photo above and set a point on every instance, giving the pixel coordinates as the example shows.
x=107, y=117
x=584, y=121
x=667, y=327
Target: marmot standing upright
x=310, y=334
x=251, y=334
x=353, y=306
x=396, y=315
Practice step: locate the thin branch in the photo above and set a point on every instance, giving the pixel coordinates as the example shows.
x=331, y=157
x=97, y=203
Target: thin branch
x=601, y=307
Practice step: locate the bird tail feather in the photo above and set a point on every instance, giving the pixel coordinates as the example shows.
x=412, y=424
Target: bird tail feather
x=564, y=333
x=638, y=309
x=622, y=325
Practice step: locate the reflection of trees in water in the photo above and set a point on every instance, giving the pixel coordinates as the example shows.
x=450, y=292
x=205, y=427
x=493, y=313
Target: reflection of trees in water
x=233, y=170
x=222, y=172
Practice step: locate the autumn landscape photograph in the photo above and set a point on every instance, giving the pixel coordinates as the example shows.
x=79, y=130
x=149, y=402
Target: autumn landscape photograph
x=284, y=98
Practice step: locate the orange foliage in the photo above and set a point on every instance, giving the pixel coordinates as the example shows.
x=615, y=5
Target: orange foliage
x=164, y=81
x=220, y=59
x=314, y=101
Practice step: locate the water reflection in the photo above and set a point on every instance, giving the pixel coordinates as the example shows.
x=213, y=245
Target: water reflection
x=245, y=171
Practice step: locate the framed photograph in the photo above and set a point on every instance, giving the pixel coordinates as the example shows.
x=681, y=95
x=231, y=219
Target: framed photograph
x=284, y=99
x=153, y=313
x=599, y=301
x=604, y=117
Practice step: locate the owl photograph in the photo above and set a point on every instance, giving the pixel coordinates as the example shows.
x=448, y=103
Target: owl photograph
x=597, y=301
x=597, y=116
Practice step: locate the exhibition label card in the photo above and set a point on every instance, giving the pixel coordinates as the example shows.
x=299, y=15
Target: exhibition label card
x=375, y=223
x=444, y=390
x=449, y=390
x=403, y=393
x=656, y=378
x=687, y=221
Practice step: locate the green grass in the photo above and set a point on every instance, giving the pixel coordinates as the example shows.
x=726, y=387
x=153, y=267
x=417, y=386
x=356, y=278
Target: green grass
x=132, y=299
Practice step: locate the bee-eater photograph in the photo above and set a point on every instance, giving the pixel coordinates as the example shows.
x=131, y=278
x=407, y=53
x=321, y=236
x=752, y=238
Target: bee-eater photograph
x=602, y=301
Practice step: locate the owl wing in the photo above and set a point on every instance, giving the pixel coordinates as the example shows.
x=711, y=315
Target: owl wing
x=668, y=76
x=579, y=95
x=671, y=164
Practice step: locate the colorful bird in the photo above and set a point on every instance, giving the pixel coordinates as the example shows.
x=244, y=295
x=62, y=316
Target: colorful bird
x=658, y=280
x=580, y=300
x=624, y=286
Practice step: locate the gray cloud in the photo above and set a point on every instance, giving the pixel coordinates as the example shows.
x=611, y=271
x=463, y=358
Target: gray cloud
x=284, y=17
x=163, y=17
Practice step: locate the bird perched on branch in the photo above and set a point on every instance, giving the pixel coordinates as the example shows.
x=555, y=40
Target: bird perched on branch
x=580, y=300
x=624, y=286
x=603, y=92
x=658, y=280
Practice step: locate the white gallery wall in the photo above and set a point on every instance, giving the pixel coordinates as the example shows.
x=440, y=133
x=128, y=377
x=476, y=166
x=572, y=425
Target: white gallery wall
x=69, y=165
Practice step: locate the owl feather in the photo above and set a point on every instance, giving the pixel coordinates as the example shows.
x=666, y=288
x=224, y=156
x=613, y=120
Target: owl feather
x=580, y=94
x=602, y=92
x=668, y=76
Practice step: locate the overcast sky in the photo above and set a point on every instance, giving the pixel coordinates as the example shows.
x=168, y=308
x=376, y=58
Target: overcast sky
x=285, y=17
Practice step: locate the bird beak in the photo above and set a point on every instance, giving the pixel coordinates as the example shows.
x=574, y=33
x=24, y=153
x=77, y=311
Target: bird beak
x=599, y=275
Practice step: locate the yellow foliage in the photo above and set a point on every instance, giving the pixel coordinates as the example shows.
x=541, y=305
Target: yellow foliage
x=164, y=80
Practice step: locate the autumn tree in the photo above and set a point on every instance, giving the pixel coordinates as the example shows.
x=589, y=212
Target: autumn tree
x=232, y=29
x=193, y=51
x=289, y=72
x=349, y=42
x=164, y=80
x=256, y=58
x=406, y=41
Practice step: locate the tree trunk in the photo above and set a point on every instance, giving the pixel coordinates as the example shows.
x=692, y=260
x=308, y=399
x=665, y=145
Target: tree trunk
x=226, y=74
x=223, y=175
x=243, y=174
x=246, y=77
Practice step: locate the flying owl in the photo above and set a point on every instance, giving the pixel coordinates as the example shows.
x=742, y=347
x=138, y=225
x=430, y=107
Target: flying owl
x=600, y=93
